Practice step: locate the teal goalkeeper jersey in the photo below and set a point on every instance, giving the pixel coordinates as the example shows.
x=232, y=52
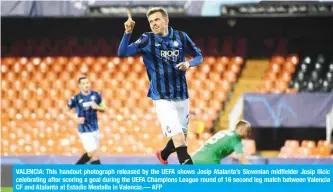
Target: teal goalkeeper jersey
x=218, y=147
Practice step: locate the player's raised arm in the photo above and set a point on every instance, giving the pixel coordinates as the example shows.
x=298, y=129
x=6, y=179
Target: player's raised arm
x=125, y=49
x=129, y=24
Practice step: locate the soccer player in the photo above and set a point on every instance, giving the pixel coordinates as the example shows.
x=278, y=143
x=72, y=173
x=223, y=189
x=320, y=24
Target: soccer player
x=163, y=52
x=222, y=144
x=86, y=104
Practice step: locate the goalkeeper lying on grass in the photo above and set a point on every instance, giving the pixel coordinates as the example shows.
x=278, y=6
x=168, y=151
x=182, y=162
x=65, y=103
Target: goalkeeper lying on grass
x=222, y=144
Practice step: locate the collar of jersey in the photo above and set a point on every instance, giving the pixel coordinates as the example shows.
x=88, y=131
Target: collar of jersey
x=169, y=36
x=237, y=135
x=86, y=95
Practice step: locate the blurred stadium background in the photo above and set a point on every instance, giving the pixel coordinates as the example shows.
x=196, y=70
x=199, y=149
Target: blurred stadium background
x=270, y=63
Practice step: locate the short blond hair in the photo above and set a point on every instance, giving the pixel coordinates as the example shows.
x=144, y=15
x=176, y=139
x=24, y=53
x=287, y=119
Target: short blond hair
x=156, y=10
x=242, y=123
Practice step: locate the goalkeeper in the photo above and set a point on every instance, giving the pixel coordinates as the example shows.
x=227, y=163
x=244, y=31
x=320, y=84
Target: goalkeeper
x=222, y=144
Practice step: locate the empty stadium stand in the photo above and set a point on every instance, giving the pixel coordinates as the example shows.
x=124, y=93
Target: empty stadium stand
x=305, y=149
x=294, y=74
x=35, y=90
x=314, y=74
x=279, y=74
x=248, y=81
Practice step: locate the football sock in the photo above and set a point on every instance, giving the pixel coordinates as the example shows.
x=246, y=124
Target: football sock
x=169, y=148
x=84, y=159
x=183, y=156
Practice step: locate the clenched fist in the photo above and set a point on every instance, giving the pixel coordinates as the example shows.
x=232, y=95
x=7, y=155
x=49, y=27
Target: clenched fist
x=129, y=24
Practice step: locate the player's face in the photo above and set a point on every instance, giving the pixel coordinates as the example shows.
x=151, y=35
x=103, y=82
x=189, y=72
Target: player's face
x=84, y=85
x=158, y=23
x=247, y=131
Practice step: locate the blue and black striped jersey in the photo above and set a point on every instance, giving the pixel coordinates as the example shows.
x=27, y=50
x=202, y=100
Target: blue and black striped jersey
x=160, y=56
x=82, y=105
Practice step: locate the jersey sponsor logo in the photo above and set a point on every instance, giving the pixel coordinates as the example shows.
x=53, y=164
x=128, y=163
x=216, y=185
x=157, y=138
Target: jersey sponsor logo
x=170, y=55
x=86, y=105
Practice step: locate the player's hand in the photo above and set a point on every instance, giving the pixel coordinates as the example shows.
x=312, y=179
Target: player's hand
x=80, y=120
x=129, y=24
x=183, y=66
x=94, y=105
